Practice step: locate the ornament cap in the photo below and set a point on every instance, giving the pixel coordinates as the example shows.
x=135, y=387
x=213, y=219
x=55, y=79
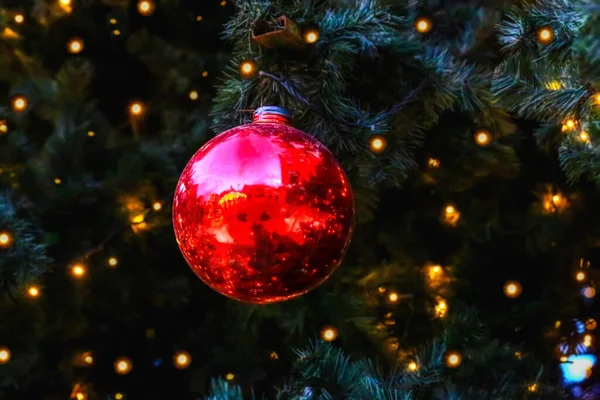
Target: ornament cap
x=272, y=114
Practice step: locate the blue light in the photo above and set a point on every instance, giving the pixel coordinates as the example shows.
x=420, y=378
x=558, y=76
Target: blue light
x=577, y=368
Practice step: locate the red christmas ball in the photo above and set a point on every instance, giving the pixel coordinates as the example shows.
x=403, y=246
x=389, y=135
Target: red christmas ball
x=263, y=212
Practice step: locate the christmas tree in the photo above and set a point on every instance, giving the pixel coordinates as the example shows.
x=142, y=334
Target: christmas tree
x=466, y=130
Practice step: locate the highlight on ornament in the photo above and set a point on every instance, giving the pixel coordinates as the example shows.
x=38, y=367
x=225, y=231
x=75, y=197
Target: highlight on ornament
x=279, y=188
x=423, y=24
x=545, y=35
x=248, y=69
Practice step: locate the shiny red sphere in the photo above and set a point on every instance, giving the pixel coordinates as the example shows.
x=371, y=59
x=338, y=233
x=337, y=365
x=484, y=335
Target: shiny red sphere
x=263, y=212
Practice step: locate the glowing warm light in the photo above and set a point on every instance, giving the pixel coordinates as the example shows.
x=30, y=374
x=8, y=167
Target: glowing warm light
x=554, y=202
x=19, y=18
x=274, y=356
x=597, y=98
x=554, y=85
x=377, y=143
x=393, y=297
x=248, y=69
x=518, y=355
x=223, y=3
x=80, y=396
x=412, y=366
x=229, y=376
x=545, y=35
x=113, y=21
x=423, y=25
x=433, y=162
x=512, y=289
x=116, y=32
x=329, y=334
x=199, y=18
x=123, y=365
x=587, y=340
x=453, y=359
x=451, y=215
x=57, y=181
x=75, y=46
x=483, y=137
x=311, y=36
x=113, y=261
x=435, y=271
x=6, y=239
x=441, y=308
x=33, y=291
x=19, y=104
x=157, y=206
x=65, y=3
x=580, y=276
x=532, y=387
x=182, y=360
x=91, y=134
x=204, y=74
x=564, y=359
x=136, y=109
x=584, y=136
x=3, y=127
x=88, y=359
x=145, y=7
x=569, y=125
x=557, y=324
x=589, y=292
x=78, y=270
x=194, y=95
x=4, y=355
x=118, y=396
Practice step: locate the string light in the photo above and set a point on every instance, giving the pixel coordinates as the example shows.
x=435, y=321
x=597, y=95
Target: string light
x=19, y=18
x=597, y=98
x=116, y=32
x=311, y=36
x=554, y=85
x=57, y=181
x=3, y=127
x=393, y=297
x=532, y=387
x=274, y=356
x=451, y=215
x=512, y=289
x=199, y=18
x=569, y=125
x=157, y=206
x=329, y=334
x=182, y=360
x=33, y=291
x=4, y=355
x=483, y=137
x=91, y=133
x=377, y=143
x=413, y=366
x=18, y=103
x=564, y=359
x=78, y=270
x=433, y=162
x=589, y=292
x=118, y=396
x=204, y=74
x=65, y=5
x=423, y=24
x=584, y=136
x=75, y=46
x=580, y=276
x=545, y=35
x=112, y=261
x=453, y=359
x=435, y=271
x=518, y=355
x=223, y=3
x=6, y=239
x=123, y=365
x=587, y=340
x=136, y=109
x=146, y=7
x=194, y=95
x=229, y=376
x=112, y=21
x=248, y=69
x=441, y=308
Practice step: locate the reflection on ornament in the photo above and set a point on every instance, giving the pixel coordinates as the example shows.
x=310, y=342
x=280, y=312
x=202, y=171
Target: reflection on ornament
x=272, y=222
x=577, y=368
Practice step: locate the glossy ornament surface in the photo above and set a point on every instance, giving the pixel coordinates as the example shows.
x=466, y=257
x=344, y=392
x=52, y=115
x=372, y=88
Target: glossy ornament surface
x=263, y=212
